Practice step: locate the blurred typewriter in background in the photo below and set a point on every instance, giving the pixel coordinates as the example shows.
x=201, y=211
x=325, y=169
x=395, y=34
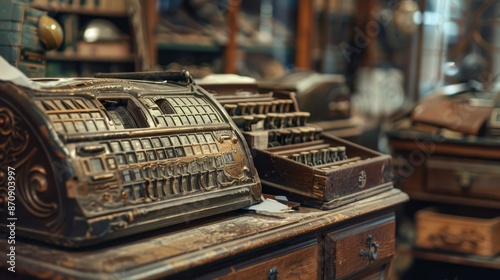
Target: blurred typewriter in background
x=99, y=158
x=292, y=156
x=326, y=96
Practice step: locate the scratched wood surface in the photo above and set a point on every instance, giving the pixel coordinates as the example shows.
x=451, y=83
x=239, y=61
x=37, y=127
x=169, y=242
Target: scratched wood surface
x=170, y=252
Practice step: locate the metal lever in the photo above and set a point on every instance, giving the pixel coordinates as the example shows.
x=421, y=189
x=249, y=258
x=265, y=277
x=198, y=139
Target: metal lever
x=372, y=249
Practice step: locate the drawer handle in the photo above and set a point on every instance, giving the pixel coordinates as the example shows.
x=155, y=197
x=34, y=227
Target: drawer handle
x=449, y=239
x=453, y=240
x=272, y=274
x=371, y=250
x=465, y=180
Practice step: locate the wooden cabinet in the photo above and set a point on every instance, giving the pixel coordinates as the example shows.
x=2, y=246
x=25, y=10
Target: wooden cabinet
x=355, y=241
x=447, y=175
x=452, y=218
x=458, y=233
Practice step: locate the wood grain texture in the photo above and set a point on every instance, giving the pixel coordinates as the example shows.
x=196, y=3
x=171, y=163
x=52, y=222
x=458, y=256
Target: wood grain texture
x=455, y=233
x=180, y=248
x=302, y=264
x=437, y=169
x=376, y=273
x=472, y=178
x=323, y=185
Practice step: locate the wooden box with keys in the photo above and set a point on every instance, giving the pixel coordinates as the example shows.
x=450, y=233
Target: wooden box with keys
x=324, y=173
x=294, y=157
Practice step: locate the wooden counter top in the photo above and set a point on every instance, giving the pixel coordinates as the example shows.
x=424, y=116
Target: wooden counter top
x=171, y=250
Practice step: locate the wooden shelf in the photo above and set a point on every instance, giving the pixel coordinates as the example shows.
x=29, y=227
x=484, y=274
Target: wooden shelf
x=440, y=198
x=58, y=8
x=89, y=58
x=187, y=47
x=266, y=48
x=461, y=259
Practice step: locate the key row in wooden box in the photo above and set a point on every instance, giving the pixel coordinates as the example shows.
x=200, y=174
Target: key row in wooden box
x=307, y=172
x=296, y=158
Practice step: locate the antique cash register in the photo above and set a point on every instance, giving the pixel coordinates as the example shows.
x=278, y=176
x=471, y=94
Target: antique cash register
x=99, y=158
x=96, y=159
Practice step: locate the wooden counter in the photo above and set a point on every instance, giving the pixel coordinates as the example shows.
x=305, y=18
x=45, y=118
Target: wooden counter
x=355, y=239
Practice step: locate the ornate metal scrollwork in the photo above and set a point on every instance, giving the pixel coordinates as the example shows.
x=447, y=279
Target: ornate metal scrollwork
x=362, y=179
x=32, y=189
x=19, y=150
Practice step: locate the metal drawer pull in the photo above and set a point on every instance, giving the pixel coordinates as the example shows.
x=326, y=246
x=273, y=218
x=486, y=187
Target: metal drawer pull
x=465, y=180
x=371, y=250
x=272, y=274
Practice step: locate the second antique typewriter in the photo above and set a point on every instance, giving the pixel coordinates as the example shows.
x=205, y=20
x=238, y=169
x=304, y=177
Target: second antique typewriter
x=294, y=157
x=89, y=160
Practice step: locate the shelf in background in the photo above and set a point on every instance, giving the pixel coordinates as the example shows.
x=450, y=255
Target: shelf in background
x=266, y=48
x=56, y=56
x=472, y=260
x=207, y=47
x=441, y=198
x=187, y=46
x=56, y=7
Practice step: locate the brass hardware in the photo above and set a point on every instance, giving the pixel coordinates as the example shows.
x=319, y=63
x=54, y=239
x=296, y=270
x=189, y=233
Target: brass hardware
x=91, y=150
x=223, y=138
x=362, y=179
x=465, y=180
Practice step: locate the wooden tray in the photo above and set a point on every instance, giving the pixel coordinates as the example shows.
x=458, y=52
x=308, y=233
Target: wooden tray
x=364, y=173
x=469, y=234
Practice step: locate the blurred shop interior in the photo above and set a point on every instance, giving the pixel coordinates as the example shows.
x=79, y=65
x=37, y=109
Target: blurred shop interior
x=379, y=73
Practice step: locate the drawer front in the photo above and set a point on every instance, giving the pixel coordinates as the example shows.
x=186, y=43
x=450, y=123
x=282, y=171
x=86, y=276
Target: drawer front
x=300, y=264
x=472, y=178
x=359, y=247
x=379, y=272
x=456, y=233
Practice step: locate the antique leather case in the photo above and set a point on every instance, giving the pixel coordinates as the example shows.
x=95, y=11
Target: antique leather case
x=96, y=159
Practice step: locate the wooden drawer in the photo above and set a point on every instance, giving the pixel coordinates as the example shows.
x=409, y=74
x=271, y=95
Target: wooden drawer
x=458, y=233
x=378, y=272
x=458, y=176
x=301, y=264
x=359, y=247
